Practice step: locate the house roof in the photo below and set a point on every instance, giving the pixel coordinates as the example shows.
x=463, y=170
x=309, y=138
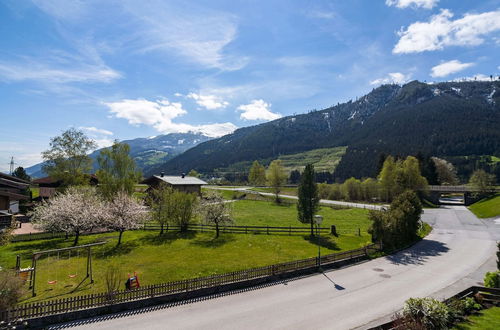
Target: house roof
x=12, y=183
x=12, y=178
x=177, y=180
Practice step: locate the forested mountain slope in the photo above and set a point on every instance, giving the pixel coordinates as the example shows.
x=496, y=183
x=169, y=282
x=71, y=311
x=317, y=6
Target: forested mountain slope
x=443, y=119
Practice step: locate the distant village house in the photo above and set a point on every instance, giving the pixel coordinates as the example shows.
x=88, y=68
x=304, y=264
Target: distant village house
x=12, y=190
x=187, y=184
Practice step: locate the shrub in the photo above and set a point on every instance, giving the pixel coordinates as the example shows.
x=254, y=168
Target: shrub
x=492, y=279
x=428, y=312
x=11, y=289
x=112, y=278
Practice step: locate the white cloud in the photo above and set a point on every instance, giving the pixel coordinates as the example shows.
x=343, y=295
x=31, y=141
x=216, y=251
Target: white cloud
x=392, y=78
x=103, y=143
x=96, y=130
x=441, y=32
x=160, y=114
x=49, y=73
x=257, y=110
x=199, y=35
x=210, y=102
x=427, y=4
x=447, y=68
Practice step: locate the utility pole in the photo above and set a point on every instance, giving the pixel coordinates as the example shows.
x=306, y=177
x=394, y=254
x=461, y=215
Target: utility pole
x=12, y=165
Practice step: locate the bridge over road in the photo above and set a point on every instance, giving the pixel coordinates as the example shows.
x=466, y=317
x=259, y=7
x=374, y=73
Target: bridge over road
x=470, y=193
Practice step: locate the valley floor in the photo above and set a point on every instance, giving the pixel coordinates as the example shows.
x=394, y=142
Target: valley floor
x=460, y=248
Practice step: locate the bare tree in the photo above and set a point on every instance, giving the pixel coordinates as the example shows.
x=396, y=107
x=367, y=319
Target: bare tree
x=76, y=210
x=124, y=212
x=214, y=210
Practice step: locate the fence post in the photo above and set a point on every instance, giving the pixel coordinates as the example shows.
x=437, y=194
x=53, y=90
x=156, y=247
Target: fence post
x=359, y=231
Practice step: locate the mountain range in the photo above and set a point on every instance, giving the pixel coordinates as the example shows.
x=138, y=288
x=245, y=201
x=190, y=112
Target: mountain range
x=448, y=119
x=147, y=152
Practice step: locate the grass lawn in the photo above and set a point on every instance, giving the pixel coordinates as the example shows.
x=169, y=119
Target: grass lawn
x=176, y=256
x=489, y=319
x=487, y=208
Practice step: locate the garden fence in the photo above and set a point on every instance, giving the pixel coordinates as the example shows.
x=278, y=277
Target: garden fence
x=65, y=305
x=285, y=230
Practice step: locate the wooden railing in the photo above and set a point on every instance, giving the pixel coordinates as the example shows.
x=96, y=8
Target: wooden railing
x=286, y=230
x=65, y=305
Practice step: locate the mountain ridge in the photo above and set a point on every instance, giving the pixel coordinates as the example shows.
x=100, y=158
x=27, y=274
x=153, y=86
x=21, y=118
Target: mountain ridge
x=440, y=108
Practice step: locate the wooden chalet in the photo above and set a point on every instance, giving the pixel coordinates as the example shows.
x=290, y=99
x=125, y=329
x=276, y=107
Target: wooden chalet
x=12, y=190
x=48, y=186
x=187, y=184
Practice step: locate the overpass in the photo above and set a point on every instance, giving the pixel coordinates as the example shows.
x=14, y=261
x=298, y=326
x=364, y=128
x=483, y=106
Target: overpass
x=471, y=194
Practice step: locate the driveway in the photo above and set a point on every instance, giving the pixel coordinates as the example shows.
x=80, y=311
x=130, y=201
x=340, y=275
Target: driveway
x=453, y=257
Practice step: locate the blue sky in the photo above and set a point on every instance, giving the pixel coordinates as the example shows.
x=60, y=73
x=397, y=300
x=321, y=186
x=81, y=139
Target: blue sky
x=122, y=69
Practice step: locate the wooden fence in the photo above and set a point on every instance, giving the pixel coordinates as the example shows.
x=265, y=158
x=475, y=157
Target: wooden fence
x=244, y=229
x=285, y=230
x=66, y=305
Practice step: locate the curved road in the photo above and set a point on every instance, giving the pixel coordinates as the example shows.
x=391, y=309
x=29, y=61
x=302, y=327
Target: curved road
x=454, y=256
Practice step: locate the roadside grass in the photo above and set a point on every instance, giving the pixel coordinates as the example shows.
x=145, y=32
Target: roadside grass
x=292, y=191
x=488, y=319
x=175, y=256
x=487, y=208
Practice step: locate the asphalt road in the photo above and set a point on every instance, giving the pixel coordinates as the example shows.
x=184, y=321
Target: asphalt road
x=453, y=257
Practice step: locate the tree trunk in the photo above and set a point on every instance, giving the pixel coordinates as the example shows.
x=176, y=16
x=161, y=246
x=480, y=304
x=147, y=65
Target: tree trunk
x=312, y=228
x=161, y=231
x=119, y=238
x=77, y=236
x=216, y=230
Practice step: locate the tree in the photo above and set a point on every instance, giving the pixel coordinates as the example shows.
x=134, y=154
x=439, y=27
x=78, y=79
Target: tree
x=294, y=177
x=214, y=210
x=163, y=205
x=482, y=181
x=308, y=203
x=77, y=210
x=257, y=174
x=186, y=205
x=276, y=177
x=408, y=175
x=21, y=174
x=399, y=225
x=370, y=189
x=352, y=189
x=387, y=178
x=11, y=289
x=124, y=212
x=67, y=158
x=446, y=173
x=428, y=168
x=194, y=173
x=117, y=171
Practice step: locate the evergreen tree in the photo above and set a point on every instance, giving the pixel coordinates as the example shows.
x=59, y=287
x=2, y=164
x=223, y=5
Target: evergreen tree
x=117, y=170
x=21, y=174
x=308, y=203
x=294, y=176
x=257, y=174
